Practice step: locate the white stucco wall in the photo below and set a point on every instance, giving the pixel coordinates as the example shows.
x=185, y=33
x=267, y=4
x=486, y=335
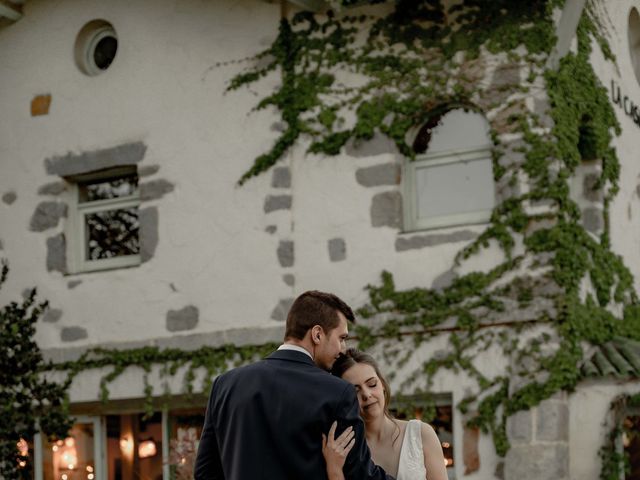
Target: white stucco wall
x=164, y=90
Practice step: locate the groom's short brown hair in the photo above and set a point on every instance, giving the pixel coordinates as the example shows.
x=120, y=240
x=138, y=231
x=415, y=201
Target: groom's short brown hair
x=315, y=308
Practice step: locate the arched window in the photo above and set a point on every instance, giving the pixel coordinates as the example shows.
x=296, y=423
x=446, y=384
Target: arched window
x=450, y=182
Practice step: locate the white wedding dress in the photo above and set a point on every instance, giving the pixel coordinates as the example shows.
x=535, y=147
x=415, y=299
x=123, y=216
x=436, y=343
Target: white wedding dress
x=411, y=466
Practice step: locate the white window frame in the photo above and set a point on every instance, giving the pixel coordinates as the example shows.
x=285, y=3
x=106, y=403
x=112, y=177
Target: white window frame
x=99, y=447
x=76, y=232
x=428, y=160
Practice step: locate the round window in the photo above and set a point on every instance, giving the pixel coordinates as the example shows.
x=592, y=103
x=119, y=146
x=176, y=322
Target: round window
x=96, y=47
x=634, y=41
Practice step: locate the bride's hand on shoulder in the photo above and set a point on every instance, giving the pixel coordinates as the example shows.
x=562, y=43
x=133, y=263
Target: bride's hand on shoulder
x=335, y=450
x=433, y=456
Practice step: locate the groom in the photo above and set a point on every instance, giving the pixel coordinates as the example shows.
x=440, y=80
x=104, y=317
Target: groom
x=265, y=420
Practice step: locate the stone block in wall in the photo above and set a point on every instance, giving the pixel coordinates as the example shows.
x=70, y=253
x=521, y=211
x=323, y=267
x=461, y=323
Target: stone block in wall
x=385, y=174
x=277, y=202
x=281, y=177
x=183, y=319
x=286, y=253
x=378, y=145
x=148, y=219
x=590, y=190
x=85, y=162
x=73, y=334
x=520, y=427
x=281, y=310
x=337, y=249
x=552, y=422
x=9, y=197
x=592, y=219
x=47, y=215
x=56, y=254
x=540, y=462
x=386, y=210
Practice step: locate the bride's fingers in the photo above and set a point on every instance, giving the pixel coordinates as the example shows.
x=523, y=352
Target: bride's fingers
x=345, y=436
x=349, y=446
x=324, y=440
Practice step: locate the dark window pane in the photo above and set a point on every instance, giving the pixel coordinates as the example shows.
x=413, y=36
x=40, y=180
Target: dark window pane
x=631, y=441
x=134, y=447
x=185, y=428
x=105, y=52
x=112, y=233
x=106, y=189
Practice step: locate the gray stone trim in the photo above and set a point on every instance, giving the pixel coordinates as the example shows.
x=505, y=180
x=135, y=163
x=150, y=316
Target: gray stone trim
x=85, y=162
x=592, y=219
x=281, y=177
x=9, y=197
x=47, y=215
x=378, y=145
x=444, y=280
x=286, y=256
x=53, y=188
x=589, y=187
x=289, y=279
x=520, y=427
x=282, y=309
x=52, y=315
x=183, y=319
x=56, y=254
x=386, y=210
x=1, y=245
x=552, y=423
x=73, y=334
x=271, y=229
x=384, y=174
x=73, y=284
x=155, y=189
x=537, y=461
x=239, y=337
x=422, y=241
x=337, y=249
x=277, y=202
x=148, y=218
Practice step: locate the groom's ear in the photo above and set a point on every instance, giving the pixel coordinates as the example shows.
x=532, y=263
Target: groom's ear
x=316, y=331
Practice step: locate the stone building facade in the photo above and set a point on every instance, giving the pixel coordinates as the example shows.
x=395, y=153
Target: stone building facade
x=121, y=150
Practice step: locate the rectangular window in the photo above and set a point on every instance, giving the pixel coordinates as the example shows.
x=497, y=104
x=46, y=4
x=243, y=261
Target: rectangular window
x=448, y=188
x=103, y=227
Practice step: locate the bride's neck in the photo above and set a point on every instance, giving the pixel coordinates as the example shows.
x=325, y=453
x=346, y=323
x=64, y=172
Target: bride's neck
x=377, y=428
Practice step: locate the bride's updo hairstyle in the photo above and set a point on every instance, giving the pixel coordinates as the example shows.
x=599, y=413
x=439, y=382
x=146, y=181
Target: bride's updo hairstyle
x=354, y=356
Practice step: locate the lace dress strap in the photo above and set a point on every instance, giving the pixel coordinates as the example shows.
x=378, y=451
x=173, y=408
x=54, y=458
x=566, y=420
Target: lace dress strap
x=411, y=466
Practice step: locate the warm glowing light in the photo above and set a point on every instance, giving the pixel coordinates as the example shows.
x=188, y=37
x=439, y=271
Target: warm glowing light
x=183, y=460
x=147, y=449
x=448, y=462
x=89, y=468
x=126, y=445
x=59, y=443
x=69, y=442
x=446, y=444
x=71, y=466
x=54, y=448
x=90, y=476
x=64, y=476
x=22, y=464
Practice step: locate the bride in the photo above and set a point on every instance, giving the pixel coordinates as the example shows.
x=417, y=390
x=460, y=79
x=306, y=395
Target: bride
x=407, y=450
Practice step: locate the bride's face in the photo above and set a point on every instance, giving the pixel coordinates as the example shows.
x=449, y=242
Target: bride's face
x=369, y=389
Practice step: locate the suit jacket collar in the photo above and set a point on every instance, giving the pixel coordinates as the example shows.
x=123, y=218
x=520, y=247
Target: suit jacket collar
x=292, y=356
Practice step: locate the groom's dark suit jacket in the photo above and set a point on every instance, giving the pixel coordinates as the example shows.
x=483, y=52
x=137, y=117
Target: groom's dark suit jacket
x=265, y=421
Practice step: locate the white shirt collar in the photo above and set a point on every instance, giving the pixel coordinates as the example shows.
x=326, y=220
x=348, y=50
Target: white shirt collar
x=288, y=346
